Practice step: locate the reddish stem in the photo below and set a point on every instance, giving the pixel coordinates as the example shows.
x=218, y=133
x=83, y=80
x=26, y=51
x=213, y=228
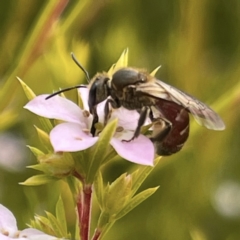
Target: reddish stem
x=84, y=201
x=45, y=32
x=80, y=208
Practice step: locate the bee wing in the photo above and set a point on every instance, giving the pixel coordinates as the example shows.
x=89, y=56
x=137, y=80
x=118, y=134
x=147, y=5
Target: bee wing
x=203, y=114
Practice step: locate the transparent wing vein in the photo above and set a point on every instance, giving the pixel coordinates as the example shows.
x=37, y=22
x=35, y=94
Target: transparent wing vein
x=203, y=114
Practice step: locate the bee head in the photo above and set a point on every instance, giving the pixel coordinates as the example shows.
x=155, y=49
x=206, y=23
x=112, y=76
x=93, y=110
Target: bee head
x=99, y=90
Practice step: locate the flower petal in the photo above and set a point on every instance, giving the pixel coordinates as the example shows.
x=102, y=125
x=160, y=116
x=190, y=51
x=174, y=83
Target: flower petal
x=4, y=237
x=84, y=93
x=128, y=119
x=34, y=234
x=70, y=137
x=56, y=108
x=140, y=150
x=7, y=221
x=100, y=111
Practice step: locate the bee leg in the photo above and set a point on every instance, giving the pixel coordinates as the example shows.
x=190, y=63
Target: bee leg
x=143, y=116
x=161, y=126
x=161, y=129
x=107, y=112
x=95, y=120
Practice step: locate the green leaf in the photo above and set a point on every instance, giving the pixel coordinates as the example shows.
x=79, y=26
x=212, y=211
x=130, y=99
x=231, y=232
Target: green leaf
x=135, y=201
x=37, y=153
x=74, y=185
x=77, y=231
x=43, y=224
x=61, y=217
x=55, y=225
x=121, y=62
x=60, y=165
x=106, y=228
x=81, y=161
x=34, y=224
x=39, y=167
x=117, y=194
x=45, y=140
x=104, y=220
x=38, y=180
x=155, y=71
x=47, y=126
x=52, y=225
x=79, y=100
x=27, y=90
x=140, y=175
x=54, y=164
x=114, y=157
x=98, y=187
x=100, y=150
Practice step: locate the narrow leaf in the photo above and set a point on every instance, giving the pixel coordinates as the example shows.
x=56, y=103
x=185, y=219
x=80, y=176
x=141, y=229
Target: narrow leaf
x=47, y=126
x=77, y=230
x=135, y=201
x=98, y=187
x=44, y=224
x=100, y=150
x=27, y=90
x=38, y=180
x=121, y=62
x=55, y=225
x=118, y=195
x=141, y=175
x=39, y=167
x=106, y=228
x=44, y=138
x=60, y=214
x=153, y=73
x=37, y=153
x=79, y=100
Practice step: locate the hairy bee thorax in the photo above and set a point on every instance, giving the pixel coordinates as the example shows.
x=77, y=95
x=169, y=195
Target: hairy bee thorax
x=123, y=88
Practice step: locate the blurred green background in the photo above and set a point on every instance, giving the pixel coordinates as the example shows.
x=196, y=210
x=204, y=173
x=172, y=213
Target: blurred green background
x=198, y=45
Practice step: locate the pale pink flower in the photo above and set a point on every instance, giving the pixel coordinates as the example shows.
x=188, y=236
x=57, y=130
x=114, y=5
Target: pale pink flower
x=9, y=230
x=73, y=134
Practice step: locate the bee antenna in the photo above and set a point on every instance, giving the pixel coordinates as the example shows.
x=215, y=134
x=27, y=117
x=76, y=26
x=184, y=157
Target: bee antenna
x=80, y=66
x=65, y=90
x=74, y=87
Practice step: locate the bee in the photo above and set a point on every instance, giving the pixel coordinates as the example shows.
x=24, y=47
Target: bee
x=170, y=134
x=167, y=107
